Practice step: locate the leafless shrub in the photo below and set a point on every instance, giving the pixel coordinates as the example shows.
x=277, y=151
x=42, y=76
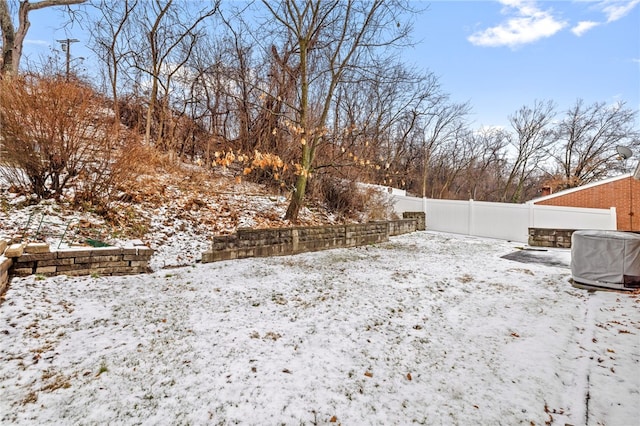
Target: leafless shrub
x=379, y=206
x=100, y=186
x=55, y=136
x=351, y=200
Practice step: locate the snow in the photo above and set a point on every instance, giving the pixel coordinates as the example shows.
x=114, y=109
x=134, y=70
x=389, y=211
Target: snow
x=177, y=214
x=429, y=328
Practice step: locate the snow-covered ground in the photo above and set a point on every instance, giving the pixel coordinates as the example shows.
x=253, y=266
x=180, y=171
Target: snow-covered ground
x=428, y=328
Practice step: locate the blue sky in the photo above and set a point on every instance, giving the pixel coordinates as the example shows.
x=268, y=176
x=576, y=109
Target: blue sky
x=498, y=55
x=501, y=55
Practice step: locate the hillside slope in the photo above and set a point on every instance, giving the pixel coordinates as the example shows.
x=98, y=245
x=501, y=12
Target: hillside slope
x=175, y=211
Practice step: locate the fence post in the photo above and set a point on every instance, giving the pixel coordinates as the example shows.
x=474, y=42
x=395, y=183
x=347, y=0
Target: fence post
x=614, y=218
x=532, y=219
x=471, y=219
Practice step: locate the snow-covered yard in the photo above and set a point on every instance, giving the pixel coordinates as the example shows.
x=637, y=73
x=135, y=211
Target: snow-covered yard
x=428, y=328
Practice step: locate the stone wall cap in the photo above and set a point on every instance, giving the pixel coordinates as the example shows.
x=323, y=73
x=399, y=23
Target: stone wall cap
x=88, y=248
x=552, y=229
x=15, y=250
x=37, y=248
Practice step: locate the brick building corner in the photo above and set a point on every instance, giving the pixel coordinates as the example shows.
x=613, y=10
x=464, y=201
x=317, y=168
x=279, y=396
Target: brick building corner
x=621, y=192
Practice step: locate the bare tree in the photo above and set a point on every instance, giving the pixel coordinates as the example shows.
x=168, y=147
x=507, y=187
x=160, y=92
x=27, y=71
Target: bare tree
x=533, y=139
x=588, y=136
x=168, y=32
x=449, y=163
x=211, y=100
x=12, y=38
x=482, y=178
x=278, y=93
x=238, y=67
x=112, y=29
x=443, y=125
x=330, y=39
x=378, y=122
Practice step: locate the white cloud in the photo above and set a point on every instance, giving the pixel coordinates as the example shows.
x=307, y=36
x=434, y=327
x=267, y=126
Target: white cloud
x=528, y=25
x=37, y=42
x=612, y=9
x=616, y=9
x=583, y=27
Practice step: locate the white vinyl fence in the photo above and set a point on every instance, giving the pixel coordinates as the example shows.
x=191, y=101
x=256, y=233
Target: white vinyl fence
x=502, y=220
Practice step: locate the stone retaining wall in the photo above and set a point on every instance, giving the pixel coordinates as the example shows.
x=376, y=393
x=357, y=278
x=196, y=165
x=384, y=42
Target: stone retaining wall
x=5, y=265
x=283, y=241
x=420, y=217
x=399, y=227
x=548, y=237
x=24, y=259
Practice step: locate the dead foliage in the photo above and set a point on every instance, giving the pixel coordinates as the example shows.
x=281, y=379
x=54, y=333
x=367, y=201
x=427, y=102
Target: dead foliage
x=57, y=140
x=351, y=200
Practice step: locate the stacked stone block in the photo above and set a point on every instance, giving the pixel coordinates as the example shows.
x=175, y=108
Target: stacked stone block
x=24, y=259
x=420, y=217
x=82, y=261
x=548, y=237
x=407, y=225
x=283, y=241
x=5, y=265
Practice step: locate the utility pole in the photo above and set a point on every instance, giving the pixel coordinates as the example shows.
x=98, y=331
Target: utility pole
x=66, y=47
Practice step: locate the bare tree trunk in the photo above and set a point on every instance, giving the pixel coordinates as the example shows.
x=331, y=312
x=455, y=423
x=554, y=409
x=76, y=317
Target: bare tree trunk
x=109, y=37
x=8, y=38
x=151, y=109
x=12, y=40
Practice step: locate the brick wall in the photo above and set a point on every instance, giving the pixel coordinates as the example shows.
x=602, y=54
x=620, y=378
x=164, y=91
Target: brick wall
x=282, y=241
x=618, y=194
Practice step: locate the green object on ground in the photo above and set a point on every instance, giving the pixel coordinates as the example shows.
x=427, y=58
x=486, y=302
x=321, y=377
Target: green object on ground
x=96, y=243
